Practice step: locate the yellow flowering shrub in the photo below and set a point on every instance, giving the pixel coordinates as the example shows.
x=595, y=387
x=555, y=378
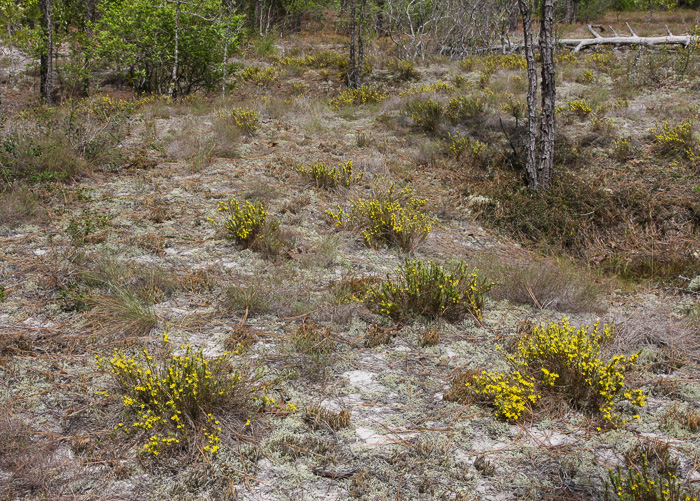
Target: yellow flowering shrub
x=441, y=87
x=172, y=398
x=457, y=146
x=560, y=360
x=246, y=121
x=579, y=107
x=674, y=140
x=245, y=222
x=325, y=177
x=359, y=96
x=642, y=483
x=426, y=113
x=463, y=107
x=260, y=76
x=430, y=290
x=390, y=216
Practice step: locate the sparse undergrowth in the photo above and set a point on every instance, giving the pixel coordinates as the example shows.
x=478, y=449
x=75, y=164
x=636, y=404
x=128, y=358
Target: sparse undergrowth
x=331, y=177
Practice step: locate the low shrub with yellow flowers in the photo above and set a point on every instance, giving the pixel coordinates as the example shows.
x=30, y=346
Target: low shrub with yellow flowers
x=391, y=215
x=173, y=398
x=674, y=140
x=331, y=177
x=243, y=222
x=430, y=290
x=562, y=361
x=642, y=483
x=245, y=121
x=458, y=146
x=360, y=96
x=426, y=113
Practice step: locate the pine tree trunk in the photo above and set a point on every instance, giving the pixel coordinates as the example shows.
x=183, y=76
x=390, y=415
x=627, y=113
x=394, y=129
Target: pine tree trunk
x=173, y=78
x=46, y=59
x=352, y=64
x=531, y=146
x=546, y=164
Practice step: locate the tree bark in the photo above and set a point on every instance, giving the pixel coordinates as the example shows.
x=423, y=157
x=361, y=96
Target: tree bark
x=46, y=59
x=531, y=146
x=546, y=165
x=173, y=79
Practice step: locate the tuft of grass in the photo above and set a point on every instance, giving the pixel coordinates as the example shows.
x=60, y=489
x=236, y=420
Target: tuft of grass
x=684, y=416
x=430, y=337
x=124, y=313
x=377, y=336
x=403, y=70
x=19, y=204
x=319, y=417
x=430, y=290
x=252, y=296
x=315, y=346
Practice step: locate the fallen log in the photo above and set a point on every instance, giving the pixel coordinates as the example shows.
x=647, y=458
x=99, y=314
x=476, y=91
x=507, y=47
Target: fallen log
x=632, y=39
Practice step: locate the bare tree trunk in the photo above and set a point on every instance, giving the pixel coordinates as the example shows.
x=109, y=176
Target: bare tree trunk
x=352, y=64
x=46, y=59
x=569, y=11
x=381, y=31
x=173, y=79
x=549, y=93
x=360, y=42
x=89, y=20
x=531, y=147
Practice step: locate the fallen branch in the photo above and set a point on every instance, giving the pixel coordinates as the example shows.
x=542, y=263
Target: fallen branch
x=633, y=39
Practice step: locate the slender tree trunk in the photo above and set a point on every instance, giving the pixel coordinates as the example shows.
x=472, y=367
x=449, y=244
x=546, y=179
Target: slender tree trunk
x=531, y=147
x=89, y=20
x=568, y=17
x=381, y=30
x=229, y=6
x=46, y=59
x=549, y=93
x=173, y=79
x=352, y=64
x=360, y=42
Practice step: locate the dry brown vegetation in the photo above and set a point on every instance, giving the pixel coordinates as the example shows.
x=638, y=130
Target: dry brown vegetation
x=104, y=247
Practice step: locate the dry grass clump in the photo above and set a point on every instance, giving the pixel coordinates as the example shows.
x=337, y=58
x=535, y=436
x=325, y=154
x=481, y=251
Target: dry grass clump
x=20, y=204
x=319, y=417
x=654, y=325
x=459, y=390
x=683, y=416
x=123, y=313
x=430, y=337
x=252, y=296
x=352, y=287
x=315, y=346
x=561, y=286
x=377, y=336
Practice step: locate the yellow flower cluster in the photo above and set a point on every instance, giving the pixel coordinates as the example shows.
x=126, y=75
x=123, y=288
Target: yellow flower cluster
x=673, y=140
x=245, y=121
x=326, y=177
x=456, y=146
x=391, y=217
x=243, y=223
x=359, y=96
x=428, y=289
x=561, y=359
x=170, y=396
x=579, y=107
x=261, y=77
x=439, y=86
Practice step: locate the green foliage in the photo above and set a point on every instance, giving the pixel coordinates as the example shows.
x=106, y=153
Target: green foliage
x=565, y=362
x=426, y=113
x=460, y=146
x=390, y=216
x=325, y=177
x=139, y=39
x=462, y=108
x=82, y=230
x=360, y=96
x=642, y=484
x=622, y=149
x=172, y=399
x=430, y=290
x=403, y=69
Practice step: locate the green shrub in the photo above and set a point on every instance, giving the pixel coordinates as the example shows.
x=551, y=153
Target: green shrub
x=360, y=96
x=426, y=113
x=463, y=108
x=565, y=362
x=622, y=149
x=39, y=158
x=174, y=400
x=430, y=290
x=325, y=177
x=388, y=217
x=403, y=69
x=458, y=146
